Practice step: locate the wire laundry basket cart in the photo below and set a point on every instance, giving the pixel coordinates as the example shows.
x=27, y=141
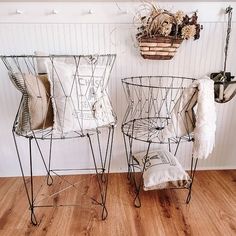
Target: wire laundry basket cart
x=157, y=113
x=63, y=97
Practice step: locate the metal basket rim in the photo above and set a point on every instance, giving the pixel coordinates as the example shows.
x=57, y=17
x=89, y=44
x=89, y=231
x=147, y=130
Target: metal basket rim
x=126, y=81
x=56, y=55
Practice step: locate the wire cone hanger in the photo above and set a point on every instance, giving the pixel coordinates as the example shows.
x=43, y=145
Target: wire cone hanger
x=225, y=86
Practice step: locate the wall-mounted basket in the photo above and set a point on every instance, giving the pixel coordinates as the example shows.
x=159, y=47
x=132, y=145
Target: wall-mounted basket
x=160, y=32
x=159, y=48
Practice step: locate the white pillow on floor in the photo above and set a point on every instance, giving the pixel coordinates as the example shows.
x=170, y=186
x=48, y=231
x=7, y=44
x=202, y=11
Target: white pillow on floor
x=162, y=170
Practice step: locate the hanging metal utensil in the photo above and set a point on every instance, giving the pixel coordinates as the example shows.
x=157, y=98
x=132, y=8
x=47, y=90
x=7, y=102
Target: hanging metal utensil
x=225, y=87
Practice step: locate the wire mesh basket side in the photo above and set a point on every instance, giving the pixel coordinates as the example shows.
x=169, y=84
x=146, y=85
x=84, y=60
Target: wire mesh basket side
x=62, y=95
x=159, y=108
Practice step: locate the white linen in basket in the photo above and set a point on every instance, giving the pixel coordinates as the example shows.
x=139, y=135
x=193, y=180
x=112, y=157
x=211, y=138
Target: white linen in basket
x=162, y=170
x=80, y=101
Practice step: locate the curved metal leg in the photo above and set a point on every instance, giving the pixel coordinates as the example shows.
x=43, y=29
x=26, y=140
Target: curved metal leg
x=130, y=158
x=49, y=177
x=127, y=158
x=29, y=193
x=100, y=155
x=104, y=212
x=33, y=217
x=137, y=200
x=103, y=182
x=109, y=143
x=192, y=174
x=103, y=160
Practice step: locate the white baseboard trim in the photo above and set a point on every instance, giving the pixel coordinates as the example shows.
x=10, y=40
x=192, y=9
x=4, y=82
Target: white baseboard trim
x=217, y=168
x=124, y=170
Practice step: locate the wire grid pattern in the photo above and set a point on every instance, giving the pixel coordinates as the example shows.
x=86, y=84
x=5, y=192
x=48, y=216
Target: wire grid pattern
x=81, y=82
x=68, y=87
x=201, y=57
x=152, y=100
x=160, y=110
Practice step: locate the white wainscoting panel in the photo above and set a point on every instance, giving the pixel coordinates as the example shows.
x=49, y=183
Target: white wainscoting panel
x=194, y=59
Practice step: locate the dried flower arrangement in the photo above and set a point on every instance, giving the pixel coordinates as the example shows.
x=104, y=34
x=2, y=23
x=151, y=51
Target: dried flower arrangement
x=161, y=32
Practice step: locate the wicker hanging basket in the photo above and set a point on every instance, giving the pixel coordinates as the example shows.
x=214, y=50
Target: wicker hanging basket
x=159, y=47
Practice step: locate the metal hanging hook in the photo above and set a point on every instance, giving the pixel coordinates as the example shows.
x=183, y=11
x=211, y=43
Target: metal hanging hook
x=229, y=11
x=225, y=87
x=19, y=12
x=55, y=12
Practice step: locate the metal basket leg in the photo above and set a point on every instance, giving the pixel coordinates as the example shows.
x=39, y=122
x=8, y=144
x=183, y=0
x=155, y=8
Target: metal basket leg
x=102, y=178
x=192, y=174
x=134, y=181
x=47, y=168
x=30, y=190
x=49, y=177
x=138, y=185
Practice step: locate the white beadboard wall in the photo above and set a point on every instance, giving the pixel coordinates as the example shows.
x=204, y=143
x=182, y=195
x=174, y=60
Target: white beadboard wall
x=109, y=30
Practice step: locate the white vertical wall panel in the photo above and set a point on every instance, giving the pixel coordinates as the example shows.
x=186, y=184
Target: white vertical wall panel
x=194, y=59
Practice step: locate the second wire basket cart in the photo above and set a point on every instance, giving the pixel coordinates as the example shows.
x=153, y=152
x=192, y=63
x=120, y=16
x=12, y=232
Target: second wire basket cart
x=157, y=113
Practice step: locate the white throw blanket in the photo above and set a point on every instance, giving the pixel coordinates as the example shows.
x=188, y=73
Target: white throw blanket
x=204, y=132
x=183, y=119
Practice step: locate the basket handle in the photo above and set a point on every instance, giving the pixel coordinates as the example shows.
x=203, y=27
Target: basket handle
x=167, y=13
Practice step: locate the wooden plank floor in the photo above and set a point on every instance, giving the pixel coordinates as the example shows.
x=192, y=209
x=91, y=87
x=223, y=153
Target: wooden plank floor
x=212, y=210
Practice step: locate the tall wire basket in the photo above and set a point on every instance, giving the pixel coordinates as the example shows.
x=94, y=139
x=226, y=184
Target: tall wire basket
x=63, y=97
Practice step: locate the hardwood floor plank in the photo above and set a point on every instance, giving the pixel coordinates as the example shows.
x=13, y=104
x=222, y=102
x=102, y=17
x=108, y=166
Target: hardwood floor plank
x=212, y=210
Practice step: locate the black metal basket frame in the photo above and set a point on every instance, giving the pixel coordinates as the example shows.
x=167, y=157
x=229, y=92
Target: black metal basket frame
x=101, y=159
x=133, y=123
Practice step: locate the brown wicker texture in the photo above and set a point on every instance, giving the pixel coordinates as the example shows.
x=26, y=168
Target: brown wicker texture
x=159, y=48
x=155, y=47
